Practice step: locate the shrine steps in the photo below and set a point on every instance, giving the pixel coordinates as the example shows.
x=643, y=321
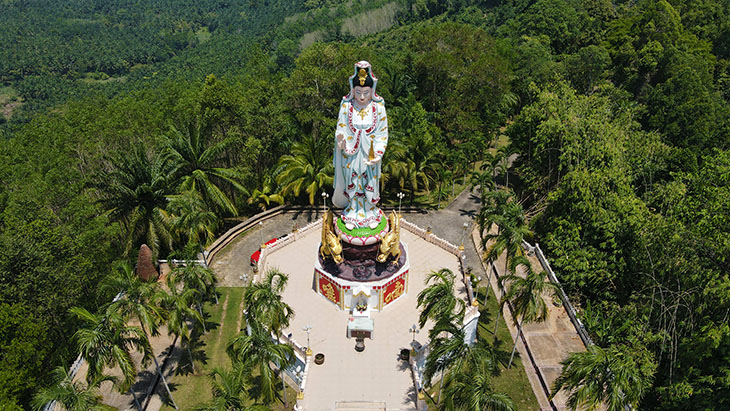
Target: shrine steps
x=359, y=406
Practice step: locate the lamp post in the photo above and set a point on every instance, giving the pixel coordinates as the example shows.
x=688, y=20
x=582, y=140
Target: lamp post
x=261, y=234
x=308, y=328
x=476, y=292
x=324, y=200
x=400, y=196
x=463, y=233
x=414, y=330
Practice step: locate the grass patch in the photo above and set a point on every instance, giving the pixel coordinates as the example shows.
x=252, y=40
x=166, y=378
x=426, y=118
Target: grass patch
x=203, y=34
x=101, y=78
x=513, y=381
x=7, y=95
x=209, y=351
x=10, y=100
x=371, y=21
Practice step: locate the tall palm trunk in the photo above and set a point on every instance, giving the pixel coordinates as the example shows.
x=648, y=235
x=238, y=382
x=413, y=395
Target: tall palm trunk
x=514, y=348
x=159, y=372
x=200, y=310
x=136, y=401
x=283, y=387
x=496, y=323
x=190, y=354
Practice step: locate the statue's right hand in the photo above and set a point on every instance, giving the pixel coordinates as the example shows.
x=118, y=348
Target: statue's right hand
x=340, y=141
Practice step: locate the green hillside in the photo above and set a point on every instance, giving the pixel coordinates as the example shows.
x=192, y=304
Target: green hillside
x=618, y=111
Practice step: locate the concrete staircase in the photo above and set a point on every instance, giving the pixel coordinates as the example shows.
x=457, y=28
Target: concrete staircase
x=359, y=406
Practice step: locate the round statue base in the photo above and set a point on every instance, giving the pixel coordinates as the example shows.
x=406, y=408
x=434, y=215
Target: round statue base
x=363, y=236
x=362, y=285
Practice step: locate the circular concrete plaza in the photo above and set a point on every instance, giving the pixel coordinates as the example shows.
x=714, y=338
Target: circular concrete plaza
x=375, y=375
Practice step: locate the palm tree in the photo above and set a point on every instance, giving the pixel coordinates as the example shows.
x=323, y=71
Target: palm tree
x=258, y=350
x=134, y=189
x=179, y=306
x=416, y=162
x=618, y=377
x=264, y=306
x=446, y=342
x=309, y=166
x=504, y=163
x=491, y=164
x=197, y=161
x=493, y=208
x=446, y=339
x=140, y=300
x=196, y=277
x=471, y=390
x=526, y=295
x=512, y=231
x=228, y=388
x=191, y=220
x=395, y=168
x=265, y=309
x=482, y=179
x=72, y=395
x=444, y=175
x=106, y=340
x=437, y=300
x=450, y=351
x=264, y=196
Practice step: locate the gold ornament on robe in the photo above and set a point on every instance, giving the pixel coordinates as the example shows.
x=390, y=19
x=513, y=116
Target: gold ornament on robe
x=390, y=244
x=331, y=245
x=362, y=75
x=371, y=152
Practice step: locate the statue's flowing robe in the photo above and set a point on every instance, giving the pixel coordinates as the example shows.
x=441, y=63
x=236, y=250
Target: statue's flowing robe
x=357, y=185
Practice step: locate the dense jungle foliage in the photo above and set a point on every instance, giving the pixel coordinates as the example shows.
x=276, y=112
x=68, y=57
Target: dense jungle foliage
x=133, y=122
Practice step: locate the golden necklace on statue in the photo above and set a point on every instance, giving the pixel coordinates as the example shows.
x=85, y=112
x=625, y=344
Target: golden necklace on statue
x=362, y=113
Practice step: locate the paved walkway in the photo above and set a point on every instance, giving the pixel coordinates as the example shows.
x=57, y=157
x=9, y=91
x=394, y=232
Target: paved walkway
x=233, y=262
x=375, y=375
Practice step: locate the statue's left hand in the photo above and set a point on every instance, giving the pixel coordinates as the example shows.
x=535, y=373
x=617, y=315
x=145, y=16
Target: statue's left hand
x=376, y=160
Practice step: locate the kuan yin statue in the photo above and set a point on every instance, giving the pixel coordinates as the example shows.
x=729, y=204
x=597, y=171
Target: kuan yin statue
x=361, y=138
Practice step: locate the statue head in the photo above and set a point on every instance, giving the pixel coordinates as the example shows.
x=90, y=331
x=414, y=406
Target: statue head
x=362, y=83
x=362, y=95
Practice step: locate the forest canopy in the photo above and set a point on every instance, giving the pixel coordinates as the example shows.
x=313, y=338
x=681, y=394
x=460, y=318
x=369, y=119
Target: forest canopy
x=137, y=122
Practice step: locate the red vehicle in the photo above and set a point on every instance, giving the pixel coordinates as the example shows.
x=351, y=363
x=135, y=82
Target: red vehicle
x=257, y=254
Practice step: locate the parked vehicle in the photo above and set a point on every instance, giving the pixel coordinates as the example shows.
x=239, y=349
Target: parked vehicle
x=257, y=254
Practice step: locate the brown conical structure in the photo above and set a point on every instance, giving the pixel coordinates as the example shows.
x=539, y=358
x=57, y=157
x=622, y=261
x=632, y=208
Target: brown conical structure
x=145, y=268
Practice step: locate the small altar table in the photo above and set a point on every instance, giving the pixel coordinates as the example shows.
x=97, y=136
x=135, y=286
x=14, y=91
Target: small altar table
x=360, y=327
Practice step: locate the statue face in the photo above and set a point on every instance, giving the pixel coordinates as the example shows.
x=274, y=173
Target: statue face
x=363, y=95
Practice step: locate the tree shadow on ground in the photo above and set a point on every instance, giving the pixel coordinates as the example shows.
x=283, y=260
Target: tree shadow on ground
x=255, y=391
x=209, y=324
x=308, y=214
x=474, y=201
x=411, y=396
x=196, y=347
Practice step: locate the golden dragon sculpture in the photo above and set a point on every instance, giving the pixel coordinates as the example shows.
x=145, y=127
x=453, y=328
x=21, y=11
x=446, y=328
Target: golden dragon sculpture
x=390, y=244
x=331, y=245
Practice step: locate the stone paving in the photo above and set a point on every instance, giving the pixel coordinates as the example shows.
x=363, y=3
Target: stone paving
x=375, y=375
